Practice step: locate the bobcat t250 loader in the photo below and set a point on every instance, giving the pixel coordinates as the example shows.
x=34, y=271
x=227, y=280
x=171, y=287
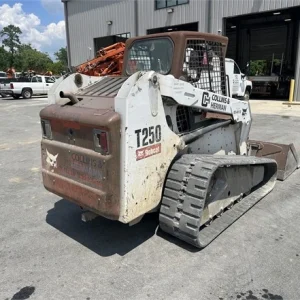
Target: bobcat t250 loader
x=163, y=136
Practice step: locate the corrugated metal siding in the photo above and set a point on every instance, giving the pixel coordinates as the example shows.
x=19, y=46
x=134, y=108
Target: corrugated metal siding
x=230, y=8
x=195, y=11
x=87, y=20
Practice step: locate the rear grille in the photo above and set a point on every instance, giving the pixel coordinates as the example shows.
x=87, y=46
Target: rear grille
x=107, y=87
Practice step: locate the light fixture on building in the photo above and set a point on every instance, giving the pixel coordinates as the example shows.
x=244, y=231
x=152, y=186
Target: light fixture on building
x=109, y=22
x=233, y=26
x=287, y=20
x=170, y=10
x=277, y=13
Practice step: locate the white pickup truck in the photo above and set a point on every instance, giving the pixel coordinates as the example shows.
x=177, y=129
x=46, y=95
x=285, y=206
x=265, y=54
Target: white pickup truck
x=240, y=87
x=36, y=85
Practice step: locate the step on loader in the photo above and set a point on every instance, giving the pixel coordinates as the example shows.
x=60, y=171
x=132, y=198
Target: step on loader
x=163, y=136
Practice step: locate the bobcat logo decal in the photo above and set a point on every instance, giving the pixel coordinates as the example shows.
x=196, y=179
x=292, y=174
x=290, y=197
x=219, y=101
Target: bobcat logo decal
x=51, y=160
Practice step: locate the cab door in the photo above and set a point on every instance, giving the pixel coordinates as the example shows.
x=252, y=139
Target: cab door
x=236, y=80
x=36, y=84
x=49, y=81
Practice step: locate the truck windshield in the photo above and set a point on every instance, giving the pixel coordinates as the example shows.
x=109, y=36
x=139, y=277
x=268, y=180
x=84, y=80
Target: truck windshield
x=150, y=55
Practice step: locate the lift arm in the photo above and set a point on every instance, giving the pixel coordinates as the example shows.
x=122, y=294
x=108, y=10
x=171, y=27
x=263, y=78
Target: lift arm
x=186, y=94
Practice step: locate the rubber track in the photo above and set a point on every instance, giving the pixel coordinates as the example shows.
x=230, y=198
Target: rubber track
x=185, y=194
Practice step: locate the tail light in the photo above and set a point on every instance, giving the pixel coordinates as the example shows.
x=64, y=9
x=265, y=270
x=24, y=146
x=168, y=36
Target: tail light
x=46, y=129
x=12, y=86
x=101, y=141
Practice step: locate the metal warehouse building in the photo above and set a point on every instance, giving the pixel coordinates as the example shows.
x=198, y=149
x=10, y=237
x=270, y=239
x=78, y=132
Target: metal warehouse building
x=262, y=32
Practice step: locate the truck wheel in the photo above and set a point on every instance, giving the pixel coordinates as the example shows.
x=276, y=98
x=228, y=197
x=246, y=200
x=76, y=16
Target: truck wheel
x=246, y=96
x=26, y=93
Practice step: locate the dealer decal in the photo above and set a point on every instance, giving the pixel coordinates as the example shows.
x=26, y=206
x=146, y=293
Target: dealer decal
x=221, y=99
x=217, y=102
x=148, y=151
x=205, y=99
x=85, y=167
x=218, y=106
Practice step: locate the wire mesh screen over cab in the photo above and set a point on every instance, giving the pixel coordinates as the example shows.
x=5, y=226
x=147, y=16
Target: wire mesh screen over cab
x=204, y=65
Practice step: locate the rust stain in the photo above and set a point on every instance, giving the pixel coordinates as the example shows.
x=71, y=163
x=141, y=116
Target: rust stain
x=211, y=115
x=70, y=124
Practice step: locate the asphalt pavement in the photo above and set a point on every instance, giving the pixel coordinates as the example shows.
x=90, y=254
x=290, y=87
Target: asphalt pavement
x=47, y=252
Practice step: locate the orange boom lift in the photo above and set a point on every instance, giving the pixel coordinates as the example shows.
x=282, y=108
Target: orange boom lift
x=109, y=61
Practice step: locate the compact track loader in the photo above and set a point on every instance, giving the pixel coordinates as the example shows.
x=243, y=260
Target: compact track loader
x=162, y=136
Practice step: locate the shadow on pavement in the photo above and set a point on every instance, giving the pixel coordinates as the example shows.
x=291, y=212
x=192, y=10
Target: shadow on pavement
x=103, y=236
x=106, y=237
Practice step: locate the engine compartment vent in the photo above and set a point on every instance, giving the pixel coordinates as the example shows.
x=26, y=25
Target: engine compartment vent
x=182, y=119
x=107, y=87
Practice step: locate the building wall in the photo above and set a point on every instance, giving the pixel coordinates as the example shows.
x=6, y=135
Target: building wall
x=87, y=20
x=199, y=11
x=229, y=8
x=195, y=11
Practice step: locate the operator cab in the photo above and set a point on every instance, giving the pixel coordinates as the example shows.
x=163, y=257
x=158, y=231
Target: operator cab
x=189, y=56
x=152, y=54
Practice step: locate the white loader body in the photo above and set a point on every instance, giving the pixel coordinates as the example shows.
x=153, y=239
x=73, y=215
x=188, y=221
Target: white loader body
x=149, y=145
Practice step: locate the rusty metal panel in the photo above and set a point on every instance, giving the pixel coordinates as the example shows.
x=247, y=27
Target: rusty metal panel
x=285, y=155
x=213, y=115
x=73, y=167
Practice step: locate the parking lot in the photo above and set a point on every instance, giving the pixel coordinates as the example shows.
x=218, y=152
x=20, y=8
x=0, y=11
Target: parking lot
x=47, y=252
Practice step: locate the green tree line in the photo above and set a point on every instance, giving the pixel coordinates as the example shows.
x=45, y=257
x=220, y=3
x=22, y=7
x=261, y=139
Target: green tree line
x=23, y=57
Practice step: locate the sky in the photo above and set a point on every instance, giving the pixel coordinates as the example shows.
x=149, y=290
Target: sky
x=41, y=21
